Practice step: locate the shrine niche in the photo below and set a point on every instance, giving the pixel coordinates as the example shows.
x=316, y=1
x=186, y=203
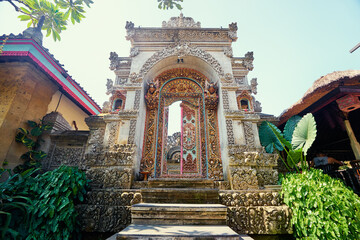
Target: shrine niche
x=244, y=101
x=197, y=154
x=117, y=101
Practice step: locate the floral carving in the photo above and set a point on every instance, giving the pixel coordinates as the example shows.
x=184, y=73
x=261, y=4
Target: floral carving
x=248, y=61
x=184, y=50
x=243, y=178
x=254, y=84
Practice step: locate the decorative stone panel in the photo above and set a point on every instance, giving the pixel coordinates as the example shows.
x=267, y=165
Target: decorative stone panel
x=230, y=131
x=250, y=198
x=260, y=220
x=243, y=178
x=137, y=99
x=225, y=97
x=110, y=177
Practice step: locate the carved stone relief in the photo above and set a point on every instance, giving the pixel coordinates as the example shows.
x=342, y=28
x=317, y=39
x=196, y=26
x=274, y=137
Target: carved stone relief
x=243, y=178
x=70, y=156
x=250, y=199
x=184, y=50
x=110, y=177
x=230, y=131
x=249, y=134
x=225, y=97
x=137, y=99
x=134, y=52
x=132, y=131
x=181, y=22
x=228, y=52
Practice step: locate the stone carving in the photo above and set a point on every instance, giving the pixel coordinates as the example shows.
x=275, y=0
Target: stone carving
x=228, y=78
x=129, y=25
x=126, y=114
x=251, y=157
x=240, y=81
x=109, y=86
x=70, y=156
x=103, y=218
x=225, y=97
x=104, y=177
x=230, y=131
x=259, y=220
x=181, y=22
x=106, y=107
x=267, y=176
x=254, y=84
x=228, y=52
x=249, y=134
x=120, y=81
x=278, y=220
x=131, y=138
x=96, y=138
x=243, y=178
x=134, y=52
x=248, y=61
x=134, y=78
x=250, y=199
x=112, y=128
x=113, y=197
x=137, y=99
x=183, y=50
x=233, y=31
x=257, y=106
x=116, y=62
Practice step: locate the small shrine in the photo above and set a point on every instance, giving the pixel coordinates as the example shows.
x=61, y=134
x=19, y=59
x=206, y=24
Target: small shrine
x=182, y=115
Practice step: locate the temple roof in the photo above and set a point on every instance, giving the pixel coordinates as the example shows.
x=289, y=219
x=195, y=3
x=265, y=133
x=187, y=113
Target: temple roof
x=19, y=46
x=320, y=88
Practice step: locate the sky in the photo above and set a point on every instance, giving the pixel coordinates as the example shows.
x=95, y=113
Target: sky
x=294, y=42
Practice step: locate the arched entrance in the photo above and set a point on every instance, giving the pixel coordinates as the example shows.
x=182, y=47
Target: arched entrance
x=197, y=153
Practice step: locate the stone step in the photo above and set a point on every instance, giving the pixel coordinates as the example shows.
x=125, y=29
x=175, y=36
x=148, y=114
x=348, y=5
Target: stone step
x=177, y=214
x=180, y=183
x=178, y=232
x=180, y=195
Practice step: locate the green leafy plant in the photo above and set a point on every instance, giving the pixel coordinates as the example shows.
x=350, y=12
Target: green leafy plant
x=41, y=206
x=298, y=136
x=15, y=203
x=54, y=215
x=51, y=16
x=322, y=207
x=32, y=139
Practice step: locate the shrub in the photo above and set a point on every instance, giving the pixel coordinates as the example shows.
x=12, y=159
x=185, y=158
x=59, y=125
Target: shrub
x=41, y=207
x=322, y=207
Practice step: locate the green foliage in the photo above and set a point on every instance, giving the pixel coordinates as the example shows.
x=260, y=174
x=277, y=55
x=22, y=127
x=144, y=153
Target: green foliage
x=56, y=14
x=268, y=137
x=15, y=203
x=53, y=214
x=305, y=133
x=322, y=207
x=301, y=132
x=166, y=4
x=42, y=206
x=290, y=127
x=31, y=139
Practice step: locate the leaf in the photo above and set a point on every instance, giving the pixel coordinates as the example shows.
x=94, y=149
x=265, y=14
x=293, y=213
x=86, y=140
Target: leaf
x=271, y=136
x=32, y=124
x=294, y=157
x=36, y=131
x=290, y=126
x=305, y=133
x=24, y=17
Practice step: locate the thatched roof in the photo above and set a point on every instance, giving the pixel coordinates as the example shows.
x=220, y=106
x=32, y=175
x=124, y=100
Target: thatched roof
x=320, y=88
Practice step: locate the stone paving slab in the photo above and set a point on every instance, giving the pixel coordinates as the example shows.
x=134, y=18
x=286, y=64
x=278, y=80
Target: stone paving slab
x=178, y=232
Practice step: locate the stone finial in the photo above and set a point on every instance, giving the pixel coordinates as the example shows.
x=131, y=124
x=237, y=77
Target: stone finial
x=254, y=84
x=233, y=26
x=181, y=22
x=129, y=25
x=248, y=61
x=233, y=31
x=109, y=86
x=114, y=60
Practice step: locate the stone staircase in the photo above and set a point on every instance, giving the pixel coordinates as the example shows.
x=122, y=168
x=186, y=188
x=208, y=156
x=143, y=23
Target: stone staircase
x=179, y=209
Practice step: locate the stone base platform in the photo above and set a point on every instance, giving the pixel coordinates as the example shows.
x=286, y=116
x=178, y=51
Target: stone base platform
x=180, y=195
x=180, y=183
x=178, y=232
x=177, y=214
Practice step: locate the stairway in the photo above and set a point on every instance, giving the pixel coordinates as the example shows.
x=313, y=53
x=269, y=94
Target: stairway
x=179, y=209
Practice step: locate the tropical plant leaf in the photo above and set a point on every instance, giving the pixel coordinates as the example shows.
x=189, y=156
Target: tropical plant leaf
x=268, y=138
x=305, y=133
x=293, y=157
x=290, y=126
x=36, y=131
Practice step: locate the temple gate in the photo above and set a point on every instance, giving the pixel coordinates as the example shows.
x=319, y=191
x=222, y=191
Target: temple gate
x=131, y=151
